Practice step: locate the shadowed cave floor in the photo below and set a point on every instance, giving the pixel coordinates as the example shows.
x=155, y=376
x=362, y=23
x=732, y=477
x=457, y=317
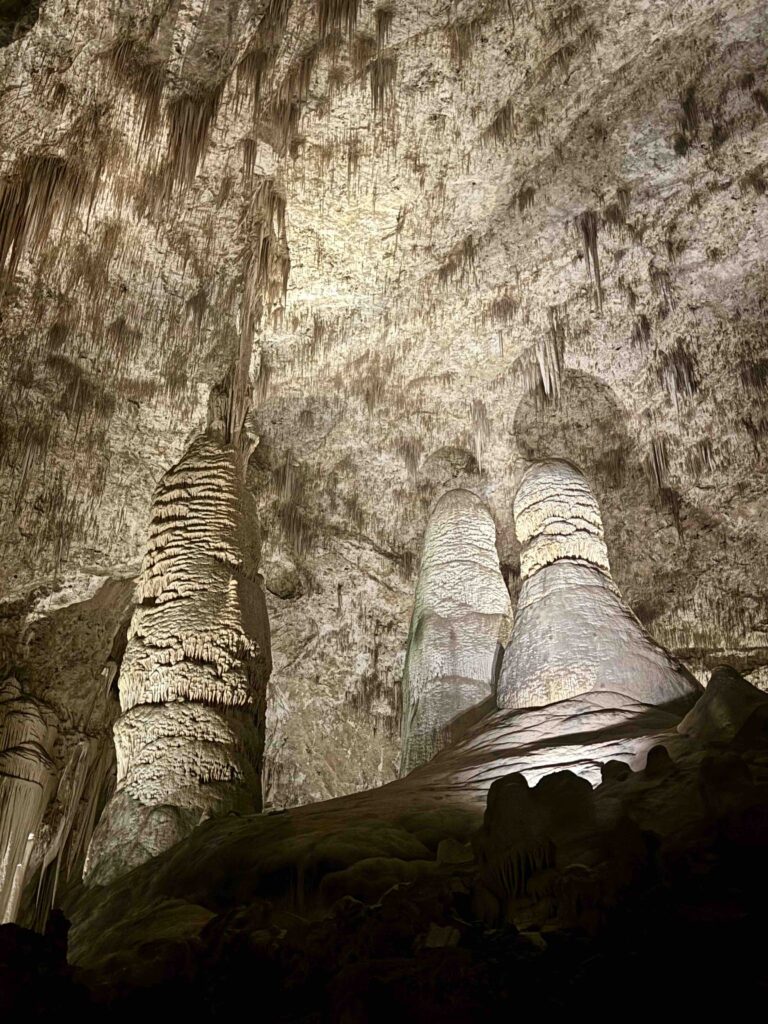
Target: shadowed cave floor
x=646, y=893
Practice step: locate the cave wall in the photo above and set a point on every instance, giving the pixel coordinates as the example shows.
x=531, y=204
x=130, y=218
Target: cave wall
x=466, y=235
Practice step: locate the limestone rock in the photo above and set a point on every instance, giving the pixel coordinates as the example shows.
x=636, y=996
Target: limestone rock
x=193, y=682
x=27, y=782
x=460, y=620
x=573, y=633
x=728, y=702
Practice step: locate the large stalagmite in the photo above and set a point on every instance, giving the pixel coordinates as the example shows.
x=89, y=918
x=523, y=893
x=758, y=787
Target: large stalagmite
x=573, y=633
x=460, y=619
x=193, y=680
x=26, y=784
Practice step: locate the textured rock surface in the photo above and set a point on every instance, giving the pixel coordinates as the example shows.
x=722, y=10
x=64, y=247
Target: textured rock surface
x=193, y=680
x=439, y=327
x=547, y=850
x=461, y=619
x=728, y=703
x=573, y=632
x=26, y=782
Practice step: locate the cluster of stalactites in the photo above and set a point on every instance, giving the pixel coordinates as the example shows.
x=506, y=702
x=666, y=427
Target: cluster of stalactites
x=26, y=783
x=557, y=517
x=193, y=679
x=460, y=619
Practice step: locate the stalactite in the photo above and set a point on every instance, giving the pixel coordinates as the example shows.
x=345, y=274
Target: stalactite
x=524, y=198
x=641, y=331
x=677, y=372
x=337, y=16
x=384, y=16
x=460, y=261
x=382, y=72
x=503, y=309
x=41, y=192
x=657, y=463
x=362, y=50
x=81, y=794
x=462, y=35
x=661, y=285
x=249, y=75
x=132, y=63
x=700, y=459
x=587, y=224
x=502, y=127
x=190, y=119
x=539, y=368
x=480, y=426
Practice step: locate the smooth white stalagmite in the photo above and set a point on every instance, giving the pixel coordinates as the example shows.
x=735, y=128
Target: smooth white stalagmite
x=27, y=781
x=460, y=619
x=193, y=679
x=573, y=633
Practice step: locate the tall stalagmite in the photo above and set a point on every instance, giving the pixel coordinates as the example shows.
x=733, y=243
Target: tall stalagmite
x=573, y=633
x=26, y=784
x=460, y=618
x=193, y=679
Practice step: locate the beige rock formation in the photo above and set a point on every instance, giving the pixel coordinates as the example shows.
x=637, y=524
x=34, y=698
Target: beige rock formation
x=460, y=620
x=450, y=180
x=27, y=782
x=573, y=633
x=193, y=682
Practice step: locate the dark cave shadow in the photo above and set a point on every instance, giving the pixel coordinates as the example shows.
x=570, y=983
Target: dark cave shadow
x=586, y=425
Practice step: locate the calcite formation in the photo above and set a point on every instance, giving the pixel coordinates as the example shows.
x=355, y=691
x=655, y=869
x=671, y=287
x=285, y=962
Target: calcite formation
x=460, y=619
x=573, y=633
x=193, y=680
x=27, y=781
x=488, y=207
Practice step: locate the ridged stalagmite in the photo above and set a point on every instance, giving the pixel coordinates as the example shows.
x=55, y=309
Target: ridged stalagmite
x=26, y=783
x=573, y=633
x=460, y=618
x=193, y=679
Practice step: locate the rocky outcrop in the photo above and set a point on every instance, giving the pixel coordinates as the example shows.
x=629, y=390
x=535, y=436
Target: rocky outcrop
x=573, y=633
x=729, y=704
x=548, y=819
x=460, y=618
x=193, y=679
x=27, y=781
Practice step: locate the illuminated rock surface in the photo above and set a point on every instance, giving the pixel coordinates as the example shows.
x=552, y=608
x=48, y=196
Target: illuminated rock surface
x=193, y=679
x=438, y=177
x=465, y=237
x=460, y=619
x=572, y=632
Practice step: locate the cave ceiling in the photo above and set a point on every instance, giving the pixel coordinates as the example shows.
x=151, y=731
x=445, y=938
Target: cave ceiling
x=464, y=235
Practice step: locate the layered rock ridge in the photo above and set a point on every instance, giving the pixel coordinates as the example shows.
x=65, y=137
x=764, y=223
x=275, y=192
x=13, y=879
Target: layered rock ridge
x=460, y=618
x=573, y=633
x=193, y=681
